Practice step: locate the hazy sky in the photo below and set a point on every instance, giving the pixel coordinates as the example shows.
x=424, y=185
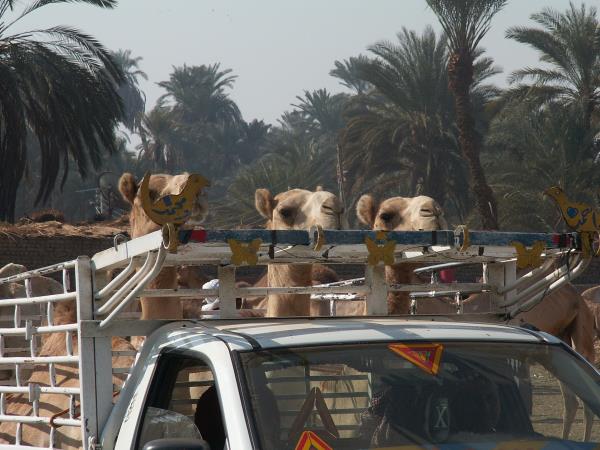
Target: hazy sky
x=277, y=48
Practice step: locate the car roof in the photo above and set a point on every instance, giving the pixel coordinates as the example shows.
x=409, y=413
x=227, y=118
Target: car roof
x=273, y=333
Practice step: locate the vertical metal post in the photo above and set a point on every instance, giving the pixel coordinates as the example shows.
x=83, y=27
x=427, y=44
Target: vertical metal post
x=493, y=274
x=510, y=276
x=95, y=360
x=378, y=290
x=226, y=276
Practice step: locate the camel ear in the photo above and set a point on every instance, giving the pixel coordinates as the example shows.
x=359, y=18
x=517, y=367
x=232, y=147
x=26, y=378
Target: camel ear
x=319, y=188
x=264, y=202
x=128, y=187
x=366, y=209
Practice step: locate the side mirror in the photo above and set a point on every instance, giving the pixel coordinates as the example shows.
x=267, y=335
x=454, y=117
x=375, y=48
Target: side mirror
x=177, y=444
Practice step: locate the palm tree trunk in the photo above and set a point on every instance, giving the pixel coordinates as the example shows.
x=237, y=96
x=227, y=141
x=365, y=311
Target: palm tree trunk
x=460, y=71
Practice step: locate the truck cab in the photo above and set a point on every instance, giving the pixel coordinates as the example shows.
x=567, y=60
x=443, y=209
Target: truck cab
x=347, y=384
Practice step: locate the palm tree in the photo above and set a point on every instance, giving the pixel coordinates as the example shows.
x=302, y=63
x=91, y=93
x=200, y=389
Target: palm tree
x=400, y=138
x=466, y=22
x=159, y=146
x=59, y=86
x=322, y=111
x=535, y=148
x=568, y=43
x=348, y=73
x=197, y=94
x=134, y=99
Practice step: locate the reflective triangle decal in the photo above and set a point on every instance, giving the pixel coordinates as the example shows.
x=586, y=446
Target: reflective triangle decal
x=310, y=441
x=425, y=356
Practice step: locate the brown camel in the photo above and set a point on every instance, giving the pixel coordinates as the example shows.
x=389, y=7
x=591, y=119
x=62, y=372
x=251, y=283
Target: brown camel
x=297, y=209
x=592, y=299
x=160, y=185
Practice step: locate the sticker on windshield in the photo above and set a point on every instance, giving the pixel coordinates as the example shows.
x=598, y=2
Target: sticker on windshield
x=310, y=441
x=425, y=356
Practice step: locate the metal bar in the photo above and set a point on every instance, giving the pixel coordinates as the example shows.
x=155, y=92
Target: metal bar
x=227, y=292
x=376, y=303
x=21, y=331
x=129, y=285
x=533, y=275
x=39, y=360
x=90, y=376
x=40, y=299
x=40, y=420
x=117, y=281
x=544, y=282
x=162, y=254
x=43, y=390
x=530, y=303
x=437, y=267
x=38, y=272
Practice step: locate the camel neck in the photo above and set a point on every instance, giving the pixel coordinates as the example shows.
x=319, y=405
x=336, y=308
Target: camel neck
x=289, y=275
x=162, y=307
x=399, y=302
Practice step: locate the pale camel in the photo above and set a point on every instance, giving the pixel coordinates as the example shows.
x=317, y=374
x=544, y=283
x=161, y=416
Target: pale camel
x=160, y=185
x=297, y=209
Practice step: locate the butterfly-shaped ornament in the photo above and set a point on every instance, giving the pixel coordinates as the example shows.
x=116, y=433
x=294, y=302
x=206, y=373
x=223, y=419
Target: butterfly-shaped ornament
x=244, y=253
x=529, y=257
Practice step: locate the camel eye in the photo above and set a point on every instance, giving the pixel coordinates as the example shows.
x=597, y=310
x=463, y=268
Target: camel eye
x=286, y=213
x=386, y=217
x=427, y=212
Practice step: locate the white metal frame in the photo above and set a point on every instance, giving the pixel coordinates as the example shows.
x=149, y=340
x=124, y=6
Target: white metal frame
x=100, y=302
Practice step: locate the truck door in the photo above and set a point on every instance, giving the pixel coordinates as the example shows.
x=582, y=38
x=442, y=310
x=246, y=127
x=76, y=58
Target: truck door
x=182, y=403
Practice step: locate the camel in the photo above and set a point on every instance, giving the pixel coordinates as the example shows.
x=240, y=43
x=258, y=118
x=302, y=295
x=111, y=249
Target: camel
x=140, y=223
x=296, y=209
x=592, y=299
x=399, y=214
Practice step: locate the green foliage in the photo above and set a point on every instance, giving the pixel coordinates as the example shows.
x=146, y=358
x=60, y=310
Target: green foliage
x=466, y=22
x=134, y=100
x=570, y=51
x=546, y=133
x=59, y=85
x=401, y=137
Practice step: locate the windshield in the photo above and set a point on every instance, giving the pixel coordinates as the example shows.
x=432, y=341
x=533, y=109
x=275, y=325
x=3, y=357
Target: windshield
x=442, y=394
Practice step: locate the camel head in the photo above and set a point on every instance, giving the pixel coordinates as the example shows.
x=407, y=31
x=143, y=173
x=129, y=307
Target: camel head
x=299, y=209
x=401, y=213
x=159, y=185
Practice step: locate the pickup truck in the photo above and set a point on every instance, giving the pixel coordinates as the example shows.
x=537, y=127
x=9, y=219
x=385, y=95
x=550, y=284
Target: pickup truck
x=349, y=384
x=225, y=382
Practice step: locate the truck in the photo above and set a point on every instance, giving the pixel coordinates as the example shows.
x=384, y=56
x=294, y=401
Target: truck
x=222, y=381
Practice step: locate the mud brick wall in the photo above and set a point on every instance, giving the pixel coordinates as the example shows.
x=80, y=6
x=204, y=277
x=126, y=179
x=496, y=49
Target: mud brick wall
x=40, y=251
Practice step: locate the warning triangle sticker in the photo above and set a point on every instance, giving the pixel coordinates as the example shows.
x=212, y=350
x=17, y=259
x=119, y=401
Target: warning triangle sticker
x=425, y=356
x=310, y=441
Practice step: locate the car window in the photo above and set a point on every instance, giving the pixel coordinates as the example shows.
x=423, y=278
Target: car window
x=183, y=403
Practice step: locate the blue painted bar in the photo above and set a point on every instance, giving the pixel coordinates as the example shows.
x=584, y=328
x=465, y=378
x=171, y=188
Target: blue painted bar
x=405, y=238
